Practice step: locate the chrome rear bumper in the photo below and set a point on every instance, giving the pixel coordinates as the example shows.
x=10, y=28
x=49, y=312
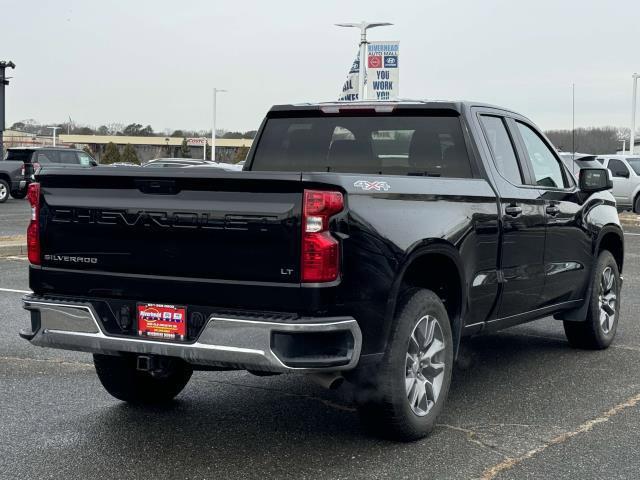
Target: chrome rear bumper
x=232, y=342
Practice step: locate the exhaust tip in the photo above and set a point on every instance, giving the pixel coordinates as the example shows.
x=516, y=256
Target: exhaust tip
x=330, y=380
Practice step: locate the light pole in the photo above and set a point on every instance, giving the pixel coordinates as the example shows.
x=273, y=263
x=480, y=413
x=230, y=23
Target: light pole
x=635, y=77
x=3, y=81
x=213, y=130
x=53, y=133
x=363, y=26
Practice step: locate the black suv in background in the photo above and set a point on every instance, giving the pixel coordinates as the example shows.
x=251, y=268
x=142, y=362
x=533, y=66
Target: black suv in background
x=20, y=164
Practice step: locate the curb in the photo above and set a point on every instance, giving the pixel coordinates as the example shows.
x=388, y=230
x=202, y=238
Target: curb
x=13, y=246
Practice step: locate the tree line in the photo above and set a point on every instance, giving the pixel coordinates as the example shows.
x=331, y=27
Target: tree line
x=594, y=140
x=118, y=129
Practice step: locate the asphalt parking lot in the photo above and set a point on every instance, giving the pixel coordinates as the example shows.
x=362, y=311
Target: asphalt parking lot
x=14, y=217
x=527, y=407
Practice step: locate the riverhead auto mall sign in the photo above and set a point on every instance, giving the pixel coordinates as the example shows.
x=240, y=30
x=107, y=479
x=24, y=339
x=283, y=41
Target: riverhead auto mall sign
x=382, y=73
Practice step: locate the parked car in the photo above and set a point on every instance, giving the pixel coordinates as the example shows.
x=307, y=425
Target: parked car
x=121, y=164
x=360, y=243
x=625, y=170
x=175, y=162
x=230, y=167
x=575, y=161
x=13, y=180
x=60, y=157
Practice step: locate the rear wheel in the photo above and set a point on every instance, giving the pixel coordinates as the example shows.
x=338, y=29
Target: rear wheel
x=599, y=329
x=636, y=205
x=120, y=376
x=403, y=397
x=4, y=191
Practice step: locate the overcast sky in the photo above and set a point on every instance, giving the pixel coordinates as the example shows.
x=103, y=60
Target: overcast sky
x=155, y=62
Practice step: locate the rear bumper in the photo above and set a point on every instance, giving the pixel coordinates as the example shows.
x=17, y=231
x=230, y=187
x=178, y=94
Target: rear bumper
x=229, y=342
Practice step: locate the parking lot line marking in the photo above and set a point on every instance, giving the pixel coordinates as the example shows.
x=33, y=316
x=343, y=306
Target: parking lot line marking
x=507, y=464
x=13, y=290
x=633, y=234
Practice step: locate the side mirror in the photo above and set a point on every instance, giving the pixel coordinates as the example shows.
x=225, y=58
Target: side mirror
x=595, y=180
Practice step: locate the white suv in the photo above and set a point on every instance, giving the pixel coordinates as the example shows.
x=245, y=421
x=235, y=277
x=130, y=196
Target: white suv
x=625, y=170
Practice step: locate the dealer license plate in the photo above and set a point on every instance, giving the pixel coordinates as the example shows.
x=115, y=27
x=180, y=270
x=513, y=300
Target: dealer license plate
x=164, y=322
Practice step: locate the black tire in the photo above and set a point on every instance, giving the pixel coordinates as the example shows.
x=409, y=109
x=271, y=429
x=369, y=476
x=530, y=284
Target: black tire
x=383, y=391
x=594, y=333
x=4, y=191
x=636, y=205
x=121, y=378
x=19, y=195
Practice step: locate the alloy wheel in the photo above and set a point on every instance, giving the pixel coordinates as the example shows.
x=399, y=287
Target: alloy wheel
x=607, y=299
x=425, y=365
x=3, y=192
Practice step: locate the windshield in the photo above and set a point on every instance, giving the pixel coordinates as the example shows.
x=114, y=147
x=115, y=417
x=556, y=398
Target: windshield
x=392, y=145
x=635, y=164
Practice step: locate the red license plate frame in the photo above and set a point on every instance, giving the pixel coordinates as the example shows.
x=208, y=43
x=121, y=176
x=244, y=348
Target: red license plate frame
x=162, y=322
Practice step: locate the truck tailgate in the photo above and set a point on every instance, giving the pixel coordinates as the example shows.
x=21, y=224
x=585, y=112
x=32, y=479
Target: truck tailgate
x=191, y=223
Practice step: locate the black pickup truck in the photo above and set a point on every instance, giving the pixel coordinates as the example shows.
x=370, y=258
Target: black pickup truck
x=362, y=241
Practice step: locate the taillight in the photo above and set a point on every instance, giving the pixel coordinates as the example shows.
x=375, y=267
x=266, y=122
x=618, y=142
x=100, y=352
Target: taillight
x=320, y=250
x=22, y=171
x=33, y=230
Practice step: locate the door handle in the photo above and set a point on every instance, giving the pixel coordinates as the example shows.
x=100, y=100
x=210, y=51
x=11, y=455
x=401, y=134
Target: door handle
x=553, y=210
x=513, y=210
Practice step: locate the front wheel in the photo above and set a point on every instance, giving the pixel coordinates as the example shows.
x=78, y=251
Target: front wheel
x=636, y=205
x=599, y=328
x=120, y=376
x=403, y=397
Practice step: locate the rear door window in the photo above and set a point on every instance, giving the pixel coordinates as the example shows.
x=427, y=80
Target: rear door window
x=46, y=157
x=389, y=145
x=504, y=155
x=68, y=157
x=618, y=168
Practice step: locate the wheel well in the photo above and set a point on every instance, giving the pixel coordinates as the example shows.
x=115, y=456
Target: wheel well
x=613, y=243
x=6, y=178
x=439, y=273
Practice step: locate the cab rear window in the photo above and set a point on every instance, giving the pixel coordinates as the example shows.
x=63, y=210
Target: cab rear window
x=388, y=145
x=19, y=155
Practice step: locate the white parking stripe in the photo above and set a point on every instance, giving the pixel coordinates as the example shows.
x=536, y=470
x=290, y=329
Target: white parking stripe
x=12, y=290
x=634, y=234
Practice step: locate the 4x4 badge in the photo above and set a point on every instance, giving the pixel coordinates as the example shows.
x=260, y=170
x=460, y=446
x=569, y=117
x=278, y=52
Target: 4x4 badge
x=378, y=186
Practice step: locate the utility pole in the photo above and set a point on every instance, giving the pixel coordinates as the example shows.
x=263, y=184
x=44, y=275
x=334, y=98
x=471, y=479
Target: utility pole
x=632, y=144
x=213, y=130
x=4, y=80
x=363, y=26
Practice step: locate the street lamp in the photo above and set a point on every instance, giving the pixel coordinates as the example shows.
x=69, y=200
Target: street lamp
x=363, y=26
x=3, y=82
x=213, y=130
x=635, y=77
x=53, y=133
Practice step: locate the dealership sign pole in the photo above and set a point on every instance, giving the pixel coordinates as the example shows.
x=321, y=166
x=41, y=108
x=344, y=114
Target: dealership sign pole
x=362, y=65
x=3, y=82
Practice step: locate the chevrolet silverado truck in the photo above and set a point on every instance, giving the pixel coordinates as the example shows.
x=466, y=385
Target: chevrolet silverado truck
x=362, y=241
